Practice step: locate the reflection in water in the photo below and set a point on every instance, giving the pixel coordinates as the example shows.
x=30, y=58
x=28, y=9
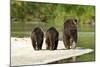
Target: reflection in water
x=86, y=28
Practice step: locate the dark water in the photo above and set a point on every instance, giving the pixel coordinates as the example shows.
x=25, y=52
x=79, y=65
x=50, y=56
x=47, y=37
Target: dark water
x=24, y=29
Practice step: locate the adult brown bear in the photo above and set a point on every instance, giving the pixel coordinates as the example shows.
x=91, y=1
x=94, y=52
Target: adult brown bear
x=52, y=37
x=37, y=36
x=70, y=33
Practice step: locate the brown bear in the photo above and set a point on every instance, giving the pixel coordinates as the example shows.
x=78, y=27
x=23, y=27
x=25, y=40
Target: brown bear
x=70, y=33
x=37, y=36
x=52, y=37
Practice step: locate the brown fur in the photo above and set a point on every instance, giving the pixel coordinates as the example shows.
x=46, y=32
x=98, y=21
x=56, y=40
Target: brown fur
x=37, y=36
x=70, y=33
x=52, y=39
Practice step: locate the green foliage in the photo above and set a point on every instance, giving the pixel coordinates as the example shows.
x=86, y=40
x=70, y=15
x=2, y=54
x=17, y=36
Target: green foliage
x=50, y=13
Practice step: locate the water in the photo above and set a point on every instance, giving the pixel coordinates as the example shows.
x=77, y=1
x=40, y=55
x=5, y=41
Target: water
x=24, y=28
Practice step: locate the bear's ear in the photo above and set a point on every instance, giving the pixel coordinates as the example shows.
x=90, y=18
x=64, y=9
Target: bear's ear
x=75, y=21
